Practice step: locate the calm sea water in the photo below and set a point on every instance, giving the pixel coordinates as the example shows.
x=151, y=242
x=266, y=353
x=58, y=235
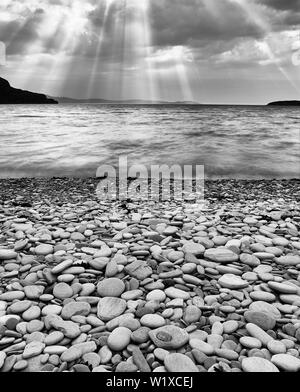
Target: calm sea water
x=73, y=140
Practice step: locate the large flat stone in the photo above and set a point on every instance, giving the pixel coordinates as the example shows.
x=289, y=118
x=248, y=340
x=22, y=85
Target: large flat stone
x=110, y=307
x=179, y=363
x=221, y=255
x=169, y=337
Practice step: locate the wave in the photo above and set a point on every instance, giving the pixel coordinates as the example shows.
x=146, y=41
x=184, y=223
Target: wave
x=74, y=139
x=29, y=116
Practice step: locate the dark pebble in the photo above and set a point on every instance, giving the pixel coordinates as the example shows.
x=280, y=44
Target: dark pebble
x=236, y=364
x=297, y=335
x=102, y=341
x=2, y=330
x=79, y=368
x=202, y=369
x=272, y=333
x=199, y=356
x=47, y=368
x=289, y=329
x=140, y=360
x=209, y=362
x=11, y=324
x=143, y=311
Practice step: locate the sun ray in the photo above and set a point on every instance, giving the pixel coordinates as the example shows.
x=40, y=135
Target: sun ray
x=33, y=50
x=137, y=76
x=114, y=75
x=148, y=44
x=43, y=47
x=96, y=63
x=182, y=74
x=10, y=16
x=74, y=24
x=109, y=51
x=258, y=19
x=132, y=76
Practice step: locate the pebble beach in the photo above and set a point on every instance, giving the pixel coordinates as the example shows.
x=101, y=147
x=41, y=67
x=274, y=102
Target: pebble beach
x=144, y=286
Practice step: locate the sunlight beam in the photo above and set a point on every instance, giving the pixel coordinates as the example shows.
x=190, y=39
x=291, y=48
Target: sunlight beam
x=137, y=78
x=107, y=7
x=148, y=44
x=182, y=74
x=52, y=29
x=248, y=8
x=74, y=24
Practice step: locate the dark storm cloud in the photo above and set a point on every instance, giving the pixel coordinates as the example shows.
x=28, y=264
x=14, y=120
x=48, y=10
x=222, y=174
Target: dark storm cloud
x=282, y=14
x=283, y=5
x=199, y=24
x=175, y=22
x=16, y=34
x=59, y=44
x=208, y=25
x=194, y=22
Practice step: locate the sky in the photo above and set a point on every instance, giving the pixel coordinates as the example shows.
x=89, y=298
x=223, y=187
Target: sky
x=207, y=51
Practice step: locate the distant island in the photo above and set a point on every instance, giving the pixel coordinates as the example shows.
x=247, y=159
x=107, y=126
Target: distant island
x=124, y=102
x=10, y=95
x=285, y=103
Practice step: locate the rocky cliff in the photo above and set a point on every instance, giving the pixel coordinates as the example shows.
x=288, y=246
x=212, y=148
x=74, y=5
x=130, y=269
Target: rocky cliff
x=10, y=95
x=285, y=103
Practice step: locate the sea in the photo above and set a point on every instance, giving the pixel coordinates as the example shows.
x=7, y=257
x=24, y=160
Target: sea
x=73, y=140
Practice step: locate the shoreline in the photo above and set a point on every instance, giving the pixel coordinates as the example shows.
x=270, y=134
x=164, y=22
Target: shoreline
x=144, y=286
x=215, y=190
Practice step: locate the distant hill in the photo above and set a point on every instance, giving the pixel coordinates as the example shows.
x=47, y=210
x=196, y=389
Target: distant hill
x=10, y=95
x=285, y=103
x=124, y=102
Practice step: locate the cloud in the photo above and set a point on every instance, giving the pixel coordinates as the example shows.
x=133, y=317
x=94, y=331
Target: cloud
x=17, y=33
x=217, y=38
x=186, y=23
x=192, y=23
x=283, y=5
